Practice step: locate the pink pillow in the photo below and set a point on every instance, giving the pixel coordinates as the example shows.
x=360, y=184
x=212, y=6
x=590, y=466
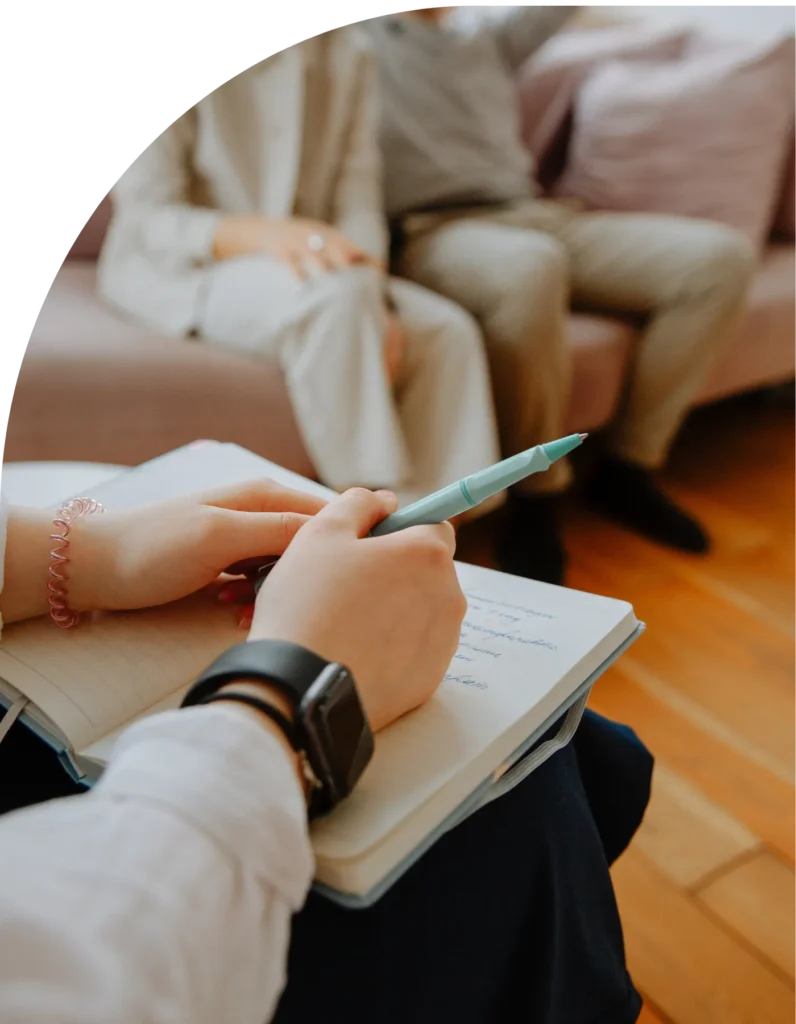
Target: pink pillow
x=548, y=82
x=706, y=136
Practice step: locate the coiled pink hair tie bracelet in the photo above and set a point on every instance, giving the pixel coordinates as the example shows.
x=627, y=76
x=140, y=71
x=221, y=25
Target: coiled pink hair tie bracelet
x=57, y=589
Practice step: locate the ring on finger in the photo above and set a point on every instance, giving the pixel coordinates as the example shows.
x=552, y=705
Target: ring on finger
x=316, y=242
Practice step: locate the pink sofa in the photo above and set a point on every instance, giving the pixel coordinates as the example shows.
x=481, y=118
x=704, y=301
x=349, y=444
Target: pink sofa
x=96, y=387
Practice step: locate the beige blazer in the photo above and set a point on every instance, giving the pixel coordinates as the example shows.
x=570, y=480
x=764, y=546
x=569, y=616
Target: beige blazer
x=241, y=151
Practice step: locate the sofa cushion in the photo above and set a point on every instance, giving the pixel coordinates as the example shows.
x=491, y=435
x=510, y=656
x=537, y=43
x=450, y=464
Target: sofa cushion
x=96, y=387
x=601, y=348
x=89, y=242
x=704, y=137
x=762, y=350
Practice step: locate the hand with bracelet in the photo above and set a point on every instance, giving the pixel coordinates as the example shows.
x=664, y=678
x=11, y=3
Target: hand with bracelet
x=196, y=832
x=349, y=600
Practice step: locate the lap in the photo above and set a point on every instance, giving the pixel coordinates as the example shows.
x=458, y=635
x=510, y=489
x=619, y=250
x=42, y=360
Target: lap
x=631, y=261
x=509, y=916
x=477, y=261
x=424, y=313
x=638, y=261
x=255, y=297
x=30, y=771
x=252, y=297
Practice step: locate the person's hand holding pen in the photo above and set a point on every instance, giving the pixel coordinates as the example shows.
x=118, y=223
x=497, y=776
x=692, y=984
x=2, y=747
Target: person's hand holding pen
x=445, y=505
x=366, y=603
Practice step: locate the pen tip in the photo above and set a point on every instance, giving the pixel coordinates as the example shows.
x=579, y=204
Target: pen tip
x=583, y=436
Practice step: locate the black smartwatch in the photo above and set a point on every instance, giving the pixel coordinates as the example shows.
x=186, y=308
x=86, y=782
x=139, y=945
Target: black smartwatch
x=332, y=732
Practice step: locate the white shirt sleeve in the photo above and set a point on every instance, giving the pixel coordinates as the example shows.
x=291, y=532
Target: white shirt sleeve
x=164, y=895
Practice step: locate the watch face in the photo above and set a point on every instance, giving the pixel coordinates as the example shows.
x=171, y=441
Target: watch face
x=342, y=737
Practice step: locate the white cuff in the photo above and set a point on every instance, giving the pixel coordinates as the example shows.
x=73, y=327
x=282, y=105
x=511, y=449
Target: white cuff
x=218, y=770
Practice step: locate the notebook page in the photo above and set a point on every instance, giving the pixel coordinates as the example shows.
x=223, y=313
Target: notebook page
x=84, y=679
x=525, y=648
x=197, y=467
x=92, y=680
x=100, y=750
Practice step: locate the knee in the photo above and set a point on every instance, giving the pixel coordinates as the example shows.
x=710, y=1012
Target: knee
x=458, y=336
x=460, y=329
x=722, y=260
x=539, y=263
x=532, y=278
x=531, y=295
x=354, y=291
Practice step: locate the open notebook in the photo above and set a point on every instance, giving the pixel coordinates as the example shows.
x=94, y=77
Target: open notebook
x=528, y=653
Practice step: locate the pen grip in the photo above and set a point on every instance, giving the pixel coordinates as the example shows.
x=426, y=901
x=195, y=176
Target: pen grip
x=434, y=508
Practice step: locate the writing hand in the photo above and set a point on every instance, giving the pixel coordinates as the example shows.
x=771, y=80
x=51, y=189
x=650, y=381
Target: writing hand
x=390, y=608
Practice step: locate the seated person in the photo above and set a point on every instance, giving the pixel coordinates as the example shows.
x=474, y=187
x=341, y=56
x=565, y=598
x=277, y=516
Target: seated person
x=256, y=222
x=460, y=191
x=167, y=892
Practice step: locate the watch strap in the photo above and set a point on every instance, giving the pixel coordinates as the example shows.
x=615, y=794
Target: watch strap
x=276, y=716
x=288, y=667
x=311, y=784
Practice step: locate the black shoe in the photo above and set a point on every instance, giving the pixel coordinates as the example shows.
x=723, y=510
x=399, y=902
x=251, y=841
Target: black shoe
x=530, y=544
x=627, y=493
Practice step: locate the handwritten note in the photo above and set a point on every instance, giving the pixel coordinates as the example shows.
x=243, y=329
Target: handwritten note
x=492, y=628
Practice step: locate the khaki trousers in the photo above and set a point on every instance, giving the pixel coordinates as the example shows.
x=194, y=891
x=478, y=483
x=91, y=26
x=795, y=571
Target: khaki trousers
x=516, y=268
x=327, y=332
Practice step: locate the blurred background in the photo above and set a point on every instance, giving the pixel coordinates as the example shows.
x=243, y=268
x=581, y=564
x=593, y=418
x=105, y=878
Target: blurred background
x=722, y=20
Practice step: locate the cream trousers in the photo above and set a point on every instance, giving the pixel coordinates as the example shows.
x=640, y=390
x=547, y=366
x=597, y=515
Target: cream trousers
x=327, y=332
x=517, y=268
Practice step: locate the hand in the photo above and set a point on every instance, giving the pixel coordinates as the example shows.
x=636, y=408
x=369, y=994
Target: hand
x=290, y=242
x=390, y=608
x=394, y=347
x=154, y=555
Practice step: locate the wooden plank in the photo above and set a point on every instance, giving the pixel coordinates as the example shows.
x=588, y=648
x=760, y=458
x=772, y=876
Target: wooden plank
x=737, y=668
x=649, y=1015
x=700, y=643
x=756, y=900
x=751, y=794
x=691, y=711
x=759, y=581
x=686, y=835
x=689, y=966
x=607, y=559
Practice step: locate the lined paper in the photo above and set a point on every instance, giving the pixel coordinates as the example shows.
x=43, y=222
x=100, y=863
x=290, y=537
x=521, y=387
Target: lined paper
x=525, y=648
x=92, y=680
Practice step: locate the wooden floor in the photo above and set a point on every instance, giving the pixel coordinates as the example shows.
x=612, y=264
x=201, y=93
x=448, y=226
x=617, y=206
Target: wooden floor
x=706, y=891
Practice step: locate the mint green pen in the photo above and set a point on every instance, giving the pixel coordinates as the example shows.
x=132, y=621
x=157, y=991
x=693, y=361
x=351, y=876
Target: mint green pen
x=472, y=490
